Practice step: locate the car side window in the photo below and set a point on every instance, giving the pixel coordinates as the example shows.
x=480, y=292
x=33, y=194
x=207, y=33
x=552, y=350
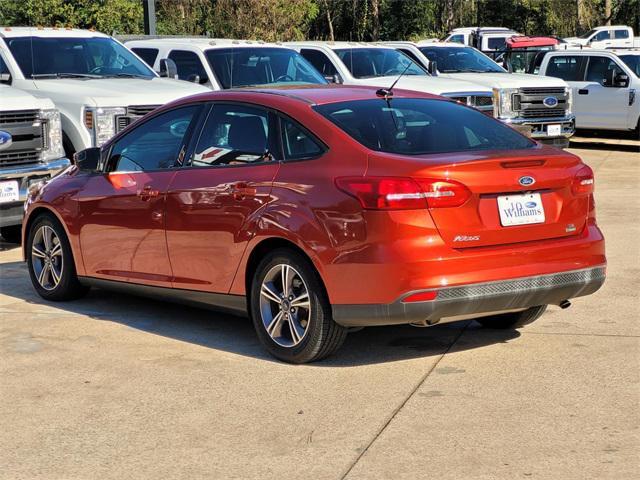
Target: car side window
x=154, y=144
x=189, y=65
x=297, y=142
x=621, y=34
x=566, y=67
x=598, y=68
x=233, y=135
x=456, y=39
x=320, y=61
x=603, y=35
x=149, y=55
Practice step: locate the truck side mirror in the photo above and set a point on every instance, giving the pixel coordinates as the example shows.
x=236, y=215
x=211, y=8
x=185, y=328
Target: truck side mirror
x=335, y=78
x=168, y=68
x=87, y=159
x=433, y=68
x=621, y=80
x=5, y=78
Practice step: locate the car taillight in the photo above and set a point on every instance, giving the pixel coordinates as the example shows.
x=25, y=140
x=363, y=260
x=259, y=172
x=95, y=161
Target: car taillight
x=583, y=181
x=402, y=193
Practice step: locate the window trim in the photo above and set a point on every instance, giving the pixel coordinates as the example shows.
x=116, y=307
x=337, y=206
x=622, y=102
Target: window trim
x=323, y=146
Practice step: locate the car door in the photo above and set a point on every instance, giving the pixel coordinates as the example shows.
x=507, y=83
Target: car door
x=122, y=211
x=602, y=105
x=213, y=202
x=570, y=68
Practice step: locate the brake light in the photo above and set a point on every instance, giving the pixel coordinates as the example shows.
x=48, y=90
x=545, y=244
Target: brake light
x=583, y=182
x=402, y=193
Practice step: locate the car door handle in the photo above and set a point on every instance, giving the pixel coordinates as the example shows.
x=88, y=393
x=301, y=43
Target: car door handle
x=241, y=190
x=148, y=192
x=583, y=91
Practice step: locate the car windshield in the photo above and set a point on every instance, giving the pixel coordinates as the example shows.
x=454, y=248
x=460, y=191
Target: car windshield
x=460, y=60
x=633, y=62
x=89, y=57
x=244, y=66
x=588, y=34
x=377, y=62
x=418, y=126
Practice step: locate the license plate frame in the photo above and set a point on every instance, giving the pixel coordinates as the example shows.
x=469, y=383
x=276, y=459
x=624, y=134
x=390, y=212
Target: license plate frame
x=520, y=209
x=9, y=191
x=554, y=130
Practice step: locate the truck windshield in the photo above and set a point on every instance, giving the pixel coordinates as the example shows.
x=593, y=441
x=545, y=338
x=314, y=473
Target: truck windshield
x=460, y=60
x=633, y=62
x=588, y=34
x=244, y=66
x=90, y=57
x=377, y=62
x=420, y=126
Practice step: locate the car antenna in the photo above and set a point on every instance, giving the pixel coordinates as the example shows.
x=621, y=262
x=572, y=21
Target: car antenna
x=387, y=93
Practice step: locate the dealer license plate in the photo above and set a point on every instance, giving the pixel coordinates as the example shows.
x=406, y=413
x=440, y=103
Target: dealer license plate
x=554, y=130
x=9, y=191
x=520, y=209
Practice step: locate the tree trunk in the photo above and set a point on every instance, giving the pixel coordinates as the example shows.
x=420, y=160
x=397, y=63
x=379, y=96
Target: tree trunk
x=329, y=20
x=607, y=12
x=375, y=14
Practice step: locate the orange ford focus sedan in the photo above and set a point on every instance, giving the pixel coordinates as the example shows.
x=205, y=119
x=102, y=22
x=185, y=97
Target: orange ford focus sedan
x=315, y=210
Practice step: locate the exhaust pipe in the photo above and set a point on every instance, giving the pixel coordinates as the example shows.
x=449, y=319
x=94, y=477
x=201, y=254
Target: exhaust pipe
x=564, y=304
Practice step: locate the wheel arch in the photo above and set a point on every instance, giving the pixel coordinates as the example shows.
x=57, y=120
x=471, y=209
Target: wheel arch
x=33, y=216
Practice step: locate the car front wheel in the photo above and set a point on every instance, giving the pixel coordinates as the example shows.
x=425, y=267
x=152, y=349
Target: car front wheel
x=290, y=309
x=50, y=261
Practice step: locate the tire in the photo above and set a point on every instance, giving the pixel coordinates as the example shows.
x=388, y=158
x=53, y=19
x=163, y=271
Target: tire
x=512, y=320
x=309, y=332
x=57, y=257
x=12, y=233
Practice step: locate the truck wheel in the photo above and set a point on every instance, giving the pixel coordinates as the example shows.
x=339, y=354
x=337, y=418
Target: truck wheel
x=290, y=309
x=50, y=261
x=12, y=233
x=512, y=320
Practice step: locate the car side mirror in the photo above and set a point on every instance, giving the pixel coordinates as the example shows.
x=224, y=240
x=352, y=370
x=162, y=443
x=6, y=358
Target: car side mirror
x=621, y=80
x=335, y=78
x=168, y=68
x=433, y=68
x=88, y=159
x=5, y=78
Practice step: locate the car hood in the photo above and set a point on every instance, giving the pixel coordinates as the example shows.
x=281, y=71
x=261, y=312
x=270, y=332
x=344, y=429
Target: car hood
x=419, y=83
x=113, y=92
x=508, y=80
x=14, y=99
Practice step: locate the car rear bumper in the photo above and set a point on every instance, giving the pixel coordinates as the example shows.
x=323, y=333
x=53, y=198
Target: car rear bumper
x=475, y=299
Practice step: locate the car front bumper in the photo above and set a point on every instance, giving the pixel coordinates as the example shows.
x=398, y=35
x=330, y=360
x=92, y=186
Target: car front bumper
x=536, y=128
x=11, y=213
x=476, y=299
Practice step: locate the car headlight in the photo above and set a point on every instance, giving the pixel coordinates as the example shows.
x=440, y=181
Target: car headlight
x=53, y=131
x=569, y=94
x=101, y=122
x=503, y=103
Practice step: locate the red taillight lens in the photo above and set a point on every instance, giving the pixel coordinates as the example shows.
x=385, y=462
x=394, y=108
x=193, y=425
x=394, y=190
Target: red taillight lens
x=401, y=193
x=583, y=181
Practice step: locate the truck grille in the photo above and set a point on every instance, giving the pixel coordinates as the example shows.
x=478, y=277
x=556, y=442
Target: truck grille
x=28, y=134
x=134, y=112
x=481, y=102
x=530, y=102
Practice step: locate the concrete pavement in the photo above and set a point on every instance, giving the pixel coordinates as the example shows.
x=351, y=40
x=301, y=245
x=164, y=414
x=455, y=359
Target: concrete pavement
x=115, y=387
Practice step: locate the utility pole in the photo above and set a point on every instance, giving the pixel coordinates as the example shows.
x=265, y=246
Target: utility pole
x=149, y=9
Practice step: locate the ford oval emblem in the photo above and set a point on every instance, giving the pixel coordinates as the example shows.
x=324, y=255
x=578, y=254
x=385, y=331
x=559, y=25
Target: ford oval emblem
x=5, y=140
x=550, y=102
x=526, y=181
x=530, y=204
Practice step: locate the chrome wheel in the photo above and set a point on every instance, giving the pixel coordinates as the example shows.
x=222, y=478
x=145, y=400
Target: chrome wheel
x=285, y=307
x=46, y=257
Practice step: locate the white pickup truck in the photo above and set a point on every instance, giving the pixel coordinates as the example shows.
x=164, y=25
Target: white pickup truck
x=97, y=84
x=609, y=36
x=605, y=84
x=541, y=106
x=353, y=63
x=30, y=151
x=489, y=40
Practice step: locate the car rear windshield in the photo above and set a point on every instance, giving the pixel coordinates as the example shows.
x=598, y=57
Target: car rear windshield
x=41, y=57
x=418, y=126
x=245, y=66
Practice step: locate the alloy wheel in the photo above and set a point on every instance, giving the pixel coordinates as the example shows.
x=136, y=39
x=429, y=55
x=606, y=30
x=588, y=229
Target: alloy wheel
x=285, y=306
x=46, y=257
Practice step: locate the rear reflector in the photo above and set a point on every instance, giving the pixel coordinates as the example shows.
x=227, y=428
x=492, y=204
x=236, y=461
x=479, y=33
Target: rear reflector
x=583, y=182
x=421, y=297
x=402, y=193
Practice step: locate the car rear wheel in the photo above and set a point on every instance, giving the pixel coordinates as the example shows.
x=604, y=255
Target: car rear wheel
x=290, y=309
x=50, y=261
x=11, y=233
x=512, y=320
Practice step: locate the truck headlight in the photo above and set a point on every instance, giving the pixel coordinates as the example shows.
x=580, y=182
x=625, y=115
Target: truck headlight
x=101, y=122
x=569, y=94
x=503, y=107
x=53, y=130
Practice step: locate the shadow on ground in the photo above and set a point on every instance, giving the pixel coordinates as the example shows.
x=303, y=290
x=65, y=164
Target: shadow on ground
x=233, y=334
x=606, y=140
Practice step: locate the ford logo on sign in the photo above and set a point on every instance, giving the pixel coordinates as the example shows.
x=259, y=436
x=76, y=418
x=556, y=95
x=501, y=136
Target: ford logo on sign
x=526, y=181
x=550, y=102
x=5, y=140
x=530, y=204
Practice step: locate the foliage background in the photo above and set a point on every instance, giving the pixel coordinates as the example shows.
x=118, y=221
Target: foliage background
x=361, y=20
